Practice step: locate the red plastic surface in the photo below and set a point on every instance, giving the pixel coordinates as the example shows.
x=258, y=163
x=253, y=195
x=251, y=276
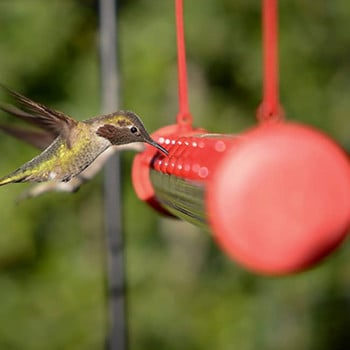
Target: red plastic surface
x=142, y=162
x=277, y=196
x=194, y=157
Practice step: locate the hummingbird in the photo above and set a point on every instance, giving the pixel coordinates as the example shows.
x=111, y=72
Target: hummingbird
x=74, y=144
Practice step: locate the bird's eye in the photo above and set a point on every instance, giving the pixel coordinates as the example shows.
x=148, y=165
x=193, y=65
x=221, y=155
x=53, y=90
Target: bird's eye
x=133, y=129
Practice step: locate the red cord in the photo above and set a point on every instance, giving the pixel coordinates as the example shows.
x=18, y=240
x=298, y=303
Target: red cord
x=270, y=109
x=184, y=117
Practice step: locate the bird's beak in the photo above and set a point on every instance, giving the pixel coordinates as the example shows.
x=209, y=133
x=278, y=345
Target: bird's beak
x=158, y=146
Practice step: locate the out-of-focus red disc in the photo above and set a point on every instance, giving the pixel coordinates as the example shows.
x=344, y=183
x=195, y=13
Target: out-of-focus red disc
x=280, y=201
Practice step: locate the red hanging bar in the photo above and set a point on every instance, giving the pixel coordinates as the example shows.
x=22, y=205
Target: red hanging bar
x=270, y=109
x=184, y=118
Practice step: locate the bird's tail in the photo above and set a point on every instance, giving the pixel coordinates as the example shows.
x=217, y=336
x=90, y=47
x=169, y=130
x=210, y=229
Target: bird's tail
x=6, y=180
x=16, y=176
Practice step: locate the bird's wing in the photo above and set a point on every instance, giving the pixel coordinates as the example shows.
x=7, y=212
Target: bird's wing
x=27, y=117
x=48, y=119
x=38, y=139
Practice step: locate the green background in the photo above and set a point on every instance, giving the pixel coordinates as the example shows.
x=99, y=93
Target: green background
x=182, y=291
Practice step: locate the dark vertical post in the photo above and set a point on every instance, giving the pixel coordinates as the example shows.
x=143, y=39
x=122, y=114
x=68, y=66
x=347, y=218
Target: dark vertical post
x=112, y=194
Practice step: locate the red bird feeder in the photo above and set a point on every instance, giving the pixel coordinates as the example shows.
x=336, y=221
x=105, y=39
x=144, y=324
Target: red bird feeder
x=276, y=197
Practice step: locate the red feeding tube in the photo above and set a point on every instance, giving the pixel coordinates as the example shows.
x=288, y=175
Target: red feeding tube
x=276, y=198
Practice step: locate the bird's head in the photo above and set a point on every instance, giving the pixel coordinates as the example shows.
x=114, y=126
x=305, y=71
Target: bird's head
x=124, y=127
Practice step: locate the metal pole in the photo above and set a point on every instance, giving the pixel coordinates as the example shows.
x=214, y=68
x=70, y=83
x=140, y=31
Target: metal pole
x=112, y=194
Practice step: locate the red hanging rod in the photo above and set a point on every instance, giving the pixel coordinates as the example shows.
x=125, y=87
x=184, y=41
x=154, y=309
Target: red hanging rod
x=270, y=108
x=184, y=118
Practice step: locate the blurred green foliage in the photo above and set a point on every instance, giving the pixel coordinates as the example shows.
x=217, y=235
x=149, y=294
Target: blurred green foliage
x=183, y=293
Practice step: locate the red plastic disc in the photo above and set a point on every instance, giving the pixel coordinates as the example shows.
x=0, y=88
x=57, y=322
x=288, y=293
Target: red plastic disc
x=280, y=201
